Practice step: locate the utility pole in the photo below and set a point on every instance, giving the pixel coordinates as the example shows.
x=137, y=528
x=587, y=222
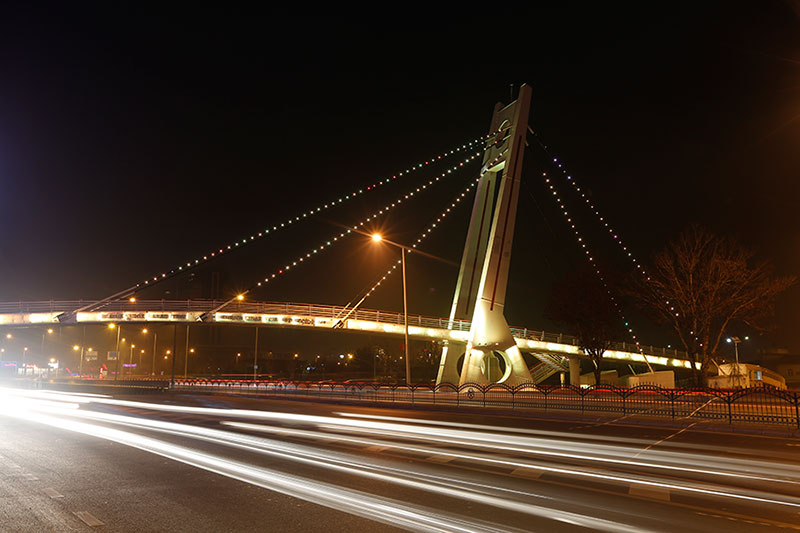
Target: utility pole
x=255, y=358
x=405, y=315
x=174, y=349
x=186, y=354
x=119, y=329
x=155, y=343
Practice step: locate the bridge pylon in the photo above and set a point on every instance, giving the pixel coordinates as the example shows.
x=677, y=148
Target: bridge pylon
x=483, y=275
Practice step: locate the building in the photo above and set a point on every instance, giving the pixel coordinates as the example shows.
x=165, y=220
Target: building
x=743, y=375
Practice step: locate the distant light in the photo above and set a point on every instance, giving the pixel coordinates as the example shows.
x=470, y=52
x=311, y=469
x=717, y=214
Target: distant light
x=728, y=339
x=240, y=297
x=112, y=326
x=49, y=330
x=144, y=330
x=132, y=299
x=52, y=359
x=8, y=335
x=76, y=347
x=377, y=237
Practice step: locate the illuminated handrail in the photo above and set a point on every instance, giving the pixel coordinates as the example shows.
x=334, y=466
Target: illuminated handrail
x=309, y=310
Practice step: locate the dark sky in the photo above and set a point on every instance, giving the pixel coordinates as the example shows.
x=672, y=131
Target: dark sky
x=133, y=139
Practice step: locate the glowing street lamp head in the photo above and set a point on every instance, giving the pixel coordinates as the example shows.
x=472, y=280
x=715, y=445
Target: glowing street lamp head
x=132, y=299
x=377, y=237
x=112, y=326
x=49, y=330
x=144, y=330
x=8, y=335
x=76, y=347
x=240, y=297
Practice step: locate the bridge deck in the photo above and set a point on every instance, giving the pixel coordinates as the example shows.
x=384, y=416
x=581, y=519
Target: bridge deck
x=302, y=315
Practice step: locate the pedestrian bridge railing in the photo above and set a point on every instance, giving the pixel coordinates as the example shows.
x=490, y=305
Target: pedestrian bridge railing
x=237, y=311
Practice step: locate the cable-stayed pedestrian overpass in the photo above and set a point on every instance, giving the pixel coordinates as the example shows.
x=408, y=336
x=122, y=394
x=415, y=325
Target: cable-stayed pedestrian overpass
x=476, y=337
x=551, y=349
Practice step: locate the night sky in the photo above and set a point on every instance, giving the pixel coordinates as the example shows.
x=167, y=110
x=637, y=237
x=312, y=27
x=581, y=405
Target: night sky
x=133, y=139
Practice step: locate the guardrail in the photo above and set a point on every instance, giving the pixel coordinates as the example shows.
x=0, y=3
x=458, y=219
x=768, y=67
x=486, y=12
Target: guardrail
x=759, y=405
x=312, y=310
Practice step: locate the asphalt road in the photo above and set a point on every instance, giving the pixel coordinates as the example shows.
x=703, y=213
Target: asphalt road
x=183, y=462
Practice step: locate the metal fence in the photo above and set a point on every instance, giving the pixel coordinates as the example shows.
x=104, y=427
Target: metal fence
x=760, y=405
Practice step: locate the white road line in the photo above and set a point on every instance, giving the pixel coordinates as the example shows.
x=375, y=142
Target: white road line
x=53, y=493
x=88, y=518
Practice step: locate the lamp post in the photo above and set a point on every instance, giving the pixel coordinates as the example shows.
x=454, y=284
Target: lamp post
x=186, y=355
x=24, y=352
x=376, y=237
x=116, y=349
x=155, y=341
x=736, y=341
x=44, y=334
x=130, y=359
x=80, y=364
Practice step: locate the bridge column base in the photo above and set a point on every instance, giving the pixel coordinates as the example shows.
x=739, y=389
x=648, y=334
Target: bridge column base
x=574, y=370
x=448, y=364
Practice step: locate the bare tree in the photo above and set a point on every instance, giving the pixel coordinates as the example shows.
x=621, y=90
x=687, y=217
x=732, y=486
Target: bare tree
x=583, y=305
x=701, y=284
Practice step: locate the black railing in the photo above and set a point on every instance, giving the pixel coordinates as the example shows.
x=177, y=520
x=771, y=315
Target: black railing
x=760, y=405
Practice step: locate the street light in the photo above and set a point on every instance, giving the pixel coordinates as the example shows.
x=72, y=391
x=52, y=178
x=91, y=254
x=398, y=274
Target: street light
x=376, y=237
x=119, y=329
x=155, y=341
x=80, y=364
x=736, y=341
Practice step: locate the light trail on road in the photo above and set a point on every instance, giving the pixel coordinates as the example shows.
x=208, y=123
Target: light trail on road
x=470, y=466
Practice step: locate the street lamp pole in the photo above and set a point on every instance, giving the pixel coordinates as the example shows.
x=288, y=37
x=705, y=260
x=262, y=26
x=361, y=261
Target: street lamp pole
x=405, y=314
x=376, y=237
x=155, y=341
x=255, y=358
x=186, y=355
x=119, y=328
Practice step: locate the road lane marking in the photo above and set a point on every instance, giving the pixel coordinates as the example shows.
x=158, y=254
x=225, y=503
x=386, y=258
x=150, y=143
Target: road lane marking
x=653, y=493
x=88, y=518
x=53, y=493
x=664, y=439
x=524, y=471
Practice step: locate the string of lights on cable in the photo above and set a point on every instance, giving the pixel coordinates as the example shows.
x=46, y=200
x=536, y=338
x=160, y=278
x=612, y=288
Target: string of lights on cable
x=589, y=257
x=610, y=229
x=356, y=227
x=217, y=252
x=427, y=231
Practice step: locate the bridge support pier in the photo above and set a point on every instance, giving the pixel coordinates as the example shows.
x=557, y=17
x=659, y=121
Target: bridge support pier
x=574, y=370
x=448, y=364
